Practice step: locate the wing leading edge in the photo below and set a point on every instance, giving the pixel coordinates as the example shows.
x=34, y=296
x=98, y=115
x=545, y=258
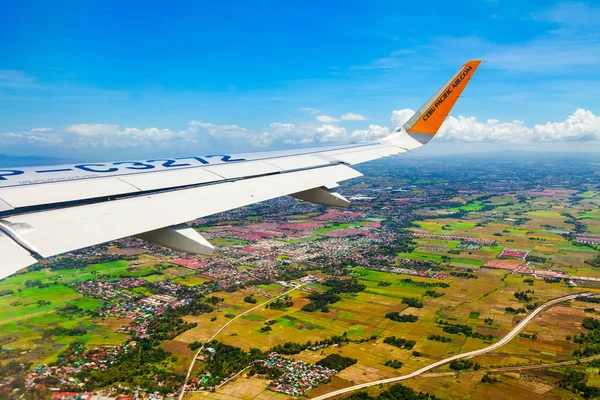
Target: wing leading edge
x=47, y=211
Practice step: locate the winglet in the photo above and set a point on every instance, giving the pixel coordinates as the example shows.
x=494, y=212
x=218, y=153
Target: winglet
x=427, y=120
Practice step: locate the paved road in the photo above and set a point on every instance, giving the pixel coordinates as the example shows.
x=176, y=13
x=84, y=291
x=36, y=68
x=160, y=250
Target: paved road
x=187, y=377
x=516, y=368
x=507, y=338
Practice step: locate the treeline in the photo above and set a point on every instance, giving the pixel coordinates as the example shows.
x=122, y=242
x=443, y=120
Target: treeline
x=60, y=331
x=522, y=296
x=466, y=330
x=412, y=302
x=336, y=362
x=460, y=274
x=439, y=338
x=462, y=365
x=320, y=301
x=512, y=310
x=395, y=392
x=396, y=316
x=433, y=293
x=575, y=382
x=400, y=342
x=419, y=284
x=590, y=342
x=291, y=348
x=281, y=303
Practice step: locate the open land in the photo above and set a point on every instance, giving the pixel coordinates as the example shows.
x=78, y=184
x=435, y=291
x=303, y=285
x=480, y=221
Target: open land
x=443, y=261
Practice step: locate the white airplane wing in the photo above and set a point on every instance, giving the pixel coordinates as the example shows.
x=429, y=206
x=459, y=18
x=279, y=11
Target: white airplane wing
x=45, y=211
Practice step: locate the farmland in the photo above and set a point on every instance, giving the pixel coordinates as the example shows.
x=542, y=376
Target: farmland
x=456, y=262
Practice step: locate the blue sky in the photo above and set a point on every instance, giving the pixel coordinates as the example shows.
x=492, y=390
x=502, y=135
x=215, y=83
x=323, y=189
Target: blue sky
x=134, y=79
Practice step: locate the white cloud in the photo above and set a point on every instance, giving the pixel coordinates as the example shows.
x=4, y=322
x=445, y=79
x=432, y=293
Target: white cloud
x=331, y=134
x=326, y=119
x=399, y=117
x=353, y=117
x=582, y=126
x=374, y=132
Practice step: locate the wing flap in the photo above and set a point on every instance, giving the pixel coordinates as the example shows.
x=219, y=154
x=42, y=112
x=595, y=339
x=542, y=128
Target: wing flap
x=14, y=257
x=59, y=192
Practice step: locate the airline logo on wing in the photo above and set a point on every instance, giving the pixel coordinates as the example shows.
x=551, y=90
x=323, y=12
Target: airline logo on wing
x=438, y=107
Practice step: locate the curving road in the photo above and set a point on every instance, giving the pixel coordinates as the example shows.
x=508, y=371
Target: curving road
x=182, y=393
x=507, y=338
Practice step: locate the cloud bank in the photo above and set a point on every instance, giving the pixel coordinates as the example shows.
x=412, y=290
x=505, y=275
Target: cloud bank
x=580, y=126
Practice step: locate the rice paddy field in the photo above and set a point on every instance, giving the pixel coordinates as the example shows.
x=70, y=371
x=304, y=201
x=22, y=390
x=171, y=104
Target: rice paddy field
x=535, y=225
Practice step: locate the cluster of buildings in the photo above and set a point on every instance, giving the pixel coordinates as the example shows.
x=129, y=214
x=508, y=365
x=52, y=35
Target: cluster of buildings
x=108, y=290
x=298, y=376
x=77, y=359
x=513, y=253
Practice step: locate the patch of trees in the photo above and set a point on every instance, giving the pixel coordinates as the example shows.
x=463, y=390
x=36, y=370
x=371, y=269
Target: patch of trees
x=460, y=274
x=227, y=360
x=344, y=285
x=439, y=338
x=281, y=303
x=590, y=341
x=6, y=292
x=71, y=311
x=290, y=274
x=586, y=299
x=383, y=283
x=591, y=323
x=575, y=382
x=512, y=310
x=528, y=281
x=538, y=259
x=594, y=262
x=528, y=335
x=412, y=302
x=60, y=331
x=145, y=365
x=433, y=293
x=396, y=391
x=35, y=283
x=195, y=346
x=462, y=365
x=552, y=280
x=488, y=378
x=266, y=329
x=250, y=299
x=291, y=348
x=336, y=362
x=419, y=284
x=394, y=364
x=396, y=316
x=320, y=301
x=400, y=342
x=522, y=296
x=488, y=321
x=43, y=303
x=466, y=330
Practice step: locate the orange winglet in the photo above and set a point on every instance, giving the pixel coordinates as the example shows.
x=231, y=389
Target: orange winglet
x=430, y=117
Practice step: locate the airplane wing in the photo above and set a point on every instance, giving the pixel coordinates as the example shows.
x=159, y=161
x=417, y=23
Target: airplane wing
x=45, y=211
